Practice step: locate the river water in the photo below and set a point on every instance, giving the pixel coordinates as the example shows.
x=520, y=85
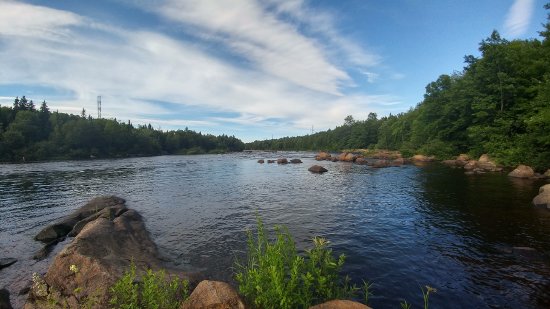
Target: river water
x=401, y=227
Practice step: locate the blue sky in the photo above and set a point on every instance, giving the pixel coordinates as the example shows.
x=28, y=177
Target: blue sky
x=249, y=68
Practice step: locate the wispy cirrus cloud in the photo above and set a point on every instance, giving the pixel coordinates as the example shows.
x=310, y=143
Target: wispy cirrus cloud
x=519, y=17
x=283, y=76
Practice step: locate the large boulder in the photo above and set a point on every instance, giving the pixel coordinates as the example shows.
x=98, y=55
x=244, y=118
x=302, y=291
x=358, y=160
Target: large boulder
x=5, y=299
x=522, y=171
x=322, y=156
x=63, y=227
x=96, y=258
x=317, y=169
x=213, y=295
x=340, y=304
x=543, y=198
x=347, y=157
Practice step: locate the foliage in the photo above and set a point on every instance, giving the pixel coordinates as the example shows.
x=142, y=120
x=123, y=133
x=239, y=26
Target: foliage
x=156, y=290
x=498, y=104
x=27, y=134
x=276, y=276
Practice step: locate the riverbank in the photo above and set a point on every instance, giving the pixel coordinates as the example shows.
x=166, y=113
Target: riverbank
x=109, y=239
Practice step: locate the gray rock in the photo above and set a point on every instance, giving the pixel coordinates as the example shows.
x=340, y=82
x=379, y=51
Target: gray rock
x=5, y=262
x=282, y=161
x=295, y=161
x=261, y=161
x=5, y=299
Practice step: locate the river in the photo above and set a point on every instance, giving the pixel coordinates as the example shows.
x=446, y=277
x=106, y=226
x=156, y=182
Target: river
x=400, y=227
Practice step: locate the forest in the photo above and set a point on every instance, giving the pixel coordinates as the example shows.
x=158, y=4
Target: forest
x=31, y=134
x=498, y=104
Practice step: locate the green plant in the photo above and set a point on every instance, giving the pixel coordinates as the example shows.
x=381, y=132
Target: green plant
x=156, y=290
x=276, y=276
x=367, y=291
x=405, y=305
x=426, y=295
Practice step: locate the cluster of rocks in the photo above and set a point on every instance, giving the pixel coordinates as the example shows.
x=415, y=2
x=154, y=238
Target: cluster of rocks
x=377, y=161
x=281, y=161
x=483, y=165
x=105, y=242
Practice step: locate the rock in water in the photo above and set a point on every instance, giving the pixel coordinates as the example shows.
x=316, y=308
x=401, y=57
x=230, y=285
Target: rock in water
x=543, y=198
x=522, y=171
x=317, y=169
x=5, y=262
x=322, y=156
x=361, y=161
x=215, y=295
x=295, y=161
x=282, y=161
x=261, y=161
x=66, y=225
x=5, y=299
x=97, y=257
x=340, y=304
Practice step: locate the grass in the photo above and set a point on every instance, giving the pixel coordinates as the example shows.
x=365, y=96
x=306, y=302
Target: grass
x=276, y=276
x=156, y=291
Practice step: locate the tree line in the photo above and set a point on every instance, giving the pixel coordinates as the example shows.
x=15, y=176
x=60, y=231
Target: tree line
x=31, y=134
x=498, y=104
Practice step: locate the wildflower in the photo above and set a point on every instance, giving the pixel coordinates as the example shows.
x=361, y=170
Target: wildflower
x=430, y=289
x=73, y=268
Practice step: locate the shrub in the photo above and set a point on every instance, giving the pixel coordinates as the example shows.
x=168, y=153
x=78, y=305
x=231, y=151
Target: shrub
x=156, y=290
x=276, y=276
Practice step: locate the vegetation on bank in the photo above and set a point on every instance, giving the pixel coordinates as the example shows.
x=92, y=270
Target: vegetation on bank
x=31, y=134
x=275, y=275
x=498, y=104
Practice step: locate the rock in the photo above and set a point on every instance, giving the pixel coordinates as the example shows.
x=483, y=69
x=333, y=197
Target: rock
x=340, y=304
x=66, y=225
x=422, y=158
x=547, y=173
x=317, y=169
x=5, y=299
x=361, y=161
x=261, y=161
x=282, y=161
x=5, y=262
x=213, y=295
x=295, y=161
x=322, y=156
x=270, y=161
x=380, y=163
x=543, y=198
x=397, y=162
x=43, y=253
x=470, y=165
x=484, y=158
x=101, y=252
x=333, y=159
x=449, y=162
x=463, y=157
x=522, y=171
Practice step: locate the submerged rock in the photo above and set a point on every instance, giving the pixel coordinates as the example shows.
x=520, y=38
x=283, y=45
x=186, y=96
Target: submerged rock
x=317, y=169
x=522, y=171
x=5, y=299
x=261, y=161
x=270, y=161
x=5, y=262
x=215, y=295
x=340, y=304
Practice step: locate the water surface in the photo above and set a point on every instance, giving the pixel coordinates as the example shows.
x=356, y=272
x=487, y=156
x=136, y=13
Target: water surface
x=400, y=227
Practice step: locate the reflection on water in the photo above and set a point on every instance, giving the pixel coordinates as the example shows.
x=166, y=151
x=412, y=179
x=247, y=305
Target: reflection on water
x=401, y=227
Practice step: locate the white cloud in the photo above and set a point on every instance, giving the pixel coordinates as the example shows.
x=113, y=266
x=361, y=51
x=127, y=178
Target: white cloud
x=519, y=17
x=293, y=80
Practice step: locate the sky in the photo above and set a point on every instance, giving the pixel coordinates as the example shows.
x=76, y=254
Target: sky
x=255, y=69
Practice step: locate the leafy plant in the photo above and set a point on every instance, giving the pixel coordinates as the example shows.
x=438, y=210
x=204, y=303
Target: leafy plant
x=276, y=276
x=156, y=290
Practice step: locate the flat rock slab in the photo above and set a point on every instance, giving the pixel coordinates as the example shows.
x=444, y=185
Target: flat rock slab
x=340, y=304
x=5, y=262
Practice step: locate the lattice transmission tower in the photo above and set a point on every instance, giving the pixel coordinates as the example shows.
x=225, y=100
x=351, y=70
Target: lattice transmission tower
x=98, y=106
